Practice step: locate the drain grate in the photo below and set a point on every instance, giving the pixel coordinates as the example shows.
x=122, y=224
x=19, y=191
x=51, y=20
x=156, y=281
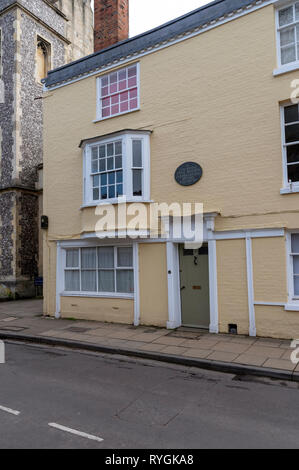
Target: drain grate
x=13, y=328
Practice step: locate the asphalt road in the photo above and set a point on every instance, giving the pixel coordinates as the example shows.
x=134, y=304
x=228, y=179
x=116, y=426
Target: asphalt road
x=137, y=404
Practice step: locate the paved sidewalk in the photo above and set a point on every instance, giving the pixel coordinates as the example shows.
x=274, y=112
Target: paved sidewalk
x=19, y=319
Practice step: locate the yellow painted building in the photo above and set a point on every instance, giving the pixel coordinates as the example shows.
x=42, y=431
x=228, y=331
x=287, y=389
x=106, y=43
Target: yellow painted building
x=217, y=88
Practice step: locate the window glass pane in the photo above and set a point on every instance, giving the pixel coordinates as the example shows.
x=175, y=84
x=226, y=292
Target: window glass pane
x=286, y=16
x=125, y=281
x=293, y=172
x=96, y=181
x=295, y=243
x=94, y=166
x=72, y=258
x=111, y=178
x=102, y=151
x=119, y=190
x=94, y=153
x=109, y=150
x=119, y=176
x=296, y=11
x=125, y=257
x=118, y=162
x=106, y=257
x=96, y=194
x=296, y=264
x=111, y=192
x=137, y=156
x=72, y=281
x=104, y=193
x=287, y=36
x=106, y=281
x=118, y=148
x=292, y=133
x=88, y=258
x=102, y=166
x=293, y=153
x=89, y=281
x=137, y=182
x=110, y=163
x=296, y=285
x=291, y=113
x=132, y=71
x=288, y=54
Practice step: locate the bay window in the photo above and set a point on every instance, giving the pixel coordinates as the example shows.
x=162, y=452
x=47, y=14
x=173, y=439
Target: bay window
x=117, y=166
x=99, y=270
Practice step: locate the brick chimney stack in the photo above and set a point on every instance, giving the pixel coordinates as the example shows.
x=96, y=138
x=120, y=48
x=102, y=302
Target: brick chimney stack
x=111, y=22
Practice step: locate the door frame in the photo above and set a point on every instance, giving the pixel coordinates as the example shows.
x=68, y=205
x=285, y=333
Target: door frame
x=180, y=246
x=174, y=292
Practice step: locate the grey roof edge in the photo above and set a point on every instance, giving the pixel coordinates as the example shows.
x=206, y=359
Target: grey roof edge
x=201, y=16
x=111, y=134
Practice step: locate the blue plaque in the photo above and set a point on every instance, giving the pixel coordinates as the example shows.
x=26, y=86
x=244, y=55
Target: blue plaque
x=188, y=173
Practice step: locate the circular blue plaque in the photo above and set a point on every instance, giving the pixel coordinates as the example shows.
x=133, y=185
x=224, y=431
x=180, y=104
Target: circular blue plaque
x=188, y=174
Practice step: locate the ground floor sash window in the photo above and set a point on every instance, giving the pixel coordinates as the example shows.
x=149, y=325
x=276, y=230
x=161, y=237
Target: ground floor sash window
x=105, y=269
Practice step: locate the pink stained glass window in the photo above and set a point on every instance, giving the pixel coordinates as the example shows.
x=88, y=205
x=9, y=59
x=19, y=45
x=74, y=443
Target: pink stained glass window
x=119, y=92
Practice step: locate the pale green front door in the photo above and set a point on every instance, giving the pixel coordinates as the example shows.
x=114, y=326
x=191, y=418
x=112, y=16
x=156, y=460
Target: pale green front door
x=194, y=277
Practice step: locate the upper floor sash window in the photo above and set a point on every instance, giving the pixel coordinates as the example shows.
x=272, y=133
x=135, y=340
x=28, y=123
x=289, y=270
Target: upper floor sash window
x=117, y=166
x=118, y=92
x=290, y=117
x=288, y=32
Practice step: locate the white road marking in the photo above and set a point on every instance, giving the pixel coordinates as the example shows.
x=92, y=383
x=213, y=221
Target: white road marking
x=77, y=433
x=9, y=410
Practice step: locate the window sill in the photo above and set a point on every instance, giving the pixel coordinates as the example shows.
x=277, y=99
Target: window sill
x=286, y=69
x=108, y=202
x=115, y=115
x=294, y=188
x=97, y=295
x=292, y=307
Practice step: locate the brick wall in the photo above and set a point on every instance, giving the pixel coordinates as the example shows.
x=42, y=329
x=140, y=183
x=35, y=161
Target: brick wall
x=111, y=22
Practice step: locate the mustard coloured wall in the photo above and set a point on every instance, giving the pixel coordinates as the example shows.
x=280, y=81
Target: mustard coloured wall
x=104, y=310
x=153, y=284
x=232, y=285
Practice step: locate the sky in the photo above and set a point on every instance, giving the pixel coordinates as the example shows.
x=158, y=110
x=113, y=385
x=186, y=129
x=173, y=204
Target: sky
x=147, y=14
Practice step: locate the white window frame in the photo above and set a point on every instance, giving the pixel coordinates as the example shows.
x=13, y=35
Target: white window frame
x=288, y=187
x=99, y=116
x=293, y=300
x=127, y=161
x=122, y=295
x=283, y=68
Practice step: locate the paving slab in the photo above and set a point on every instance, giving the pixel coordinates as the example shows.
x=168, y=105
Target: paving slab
x=265, y=351
x=279, y=364
x=251, y=360
x=222, y=356
x=232, y=347
x=199, y=353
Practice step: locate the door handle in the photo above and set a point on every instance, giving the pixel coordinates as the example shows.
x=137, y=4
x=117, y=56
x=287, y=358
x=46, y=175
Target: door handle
x=183, y=287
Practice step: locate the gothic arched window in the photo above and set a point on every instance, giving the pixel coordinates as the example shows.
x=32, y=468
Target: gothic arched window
x=43, y=58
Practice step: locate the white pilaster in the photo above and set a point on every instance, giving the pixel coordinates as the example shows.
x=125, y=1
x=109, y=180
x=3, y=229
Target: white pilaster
x=214, y=328
x=174, y=301
x=251, y=309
